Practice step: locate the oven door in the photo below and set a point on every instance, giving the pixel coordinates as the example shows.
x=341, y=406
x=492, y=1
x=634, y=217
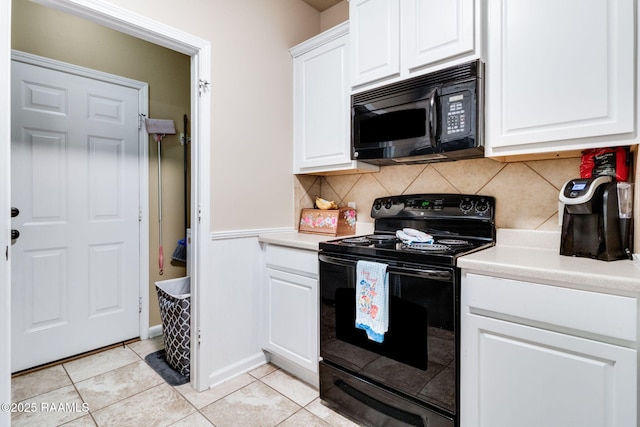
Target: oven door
x=417, y=357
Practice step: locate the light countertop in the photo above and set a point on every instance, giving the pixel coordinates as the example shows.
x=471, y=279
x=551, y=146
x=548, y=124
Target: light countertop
x=306, y=241
x=521, y=254
x=534, y=256
x=295, y=240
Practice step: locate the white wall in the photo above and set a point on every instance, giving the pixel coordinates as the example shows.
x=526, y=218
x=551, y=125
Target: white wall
x=251, y=157
x=251, y=146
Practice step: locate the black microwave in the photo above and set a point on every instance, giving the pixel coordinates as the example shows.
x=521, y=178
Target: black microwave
x=434, y=117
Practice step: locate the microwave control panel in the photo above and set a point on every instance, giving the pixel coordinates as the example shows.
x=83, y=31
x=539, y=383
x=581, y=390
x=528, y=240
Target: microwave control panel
x=456, y=114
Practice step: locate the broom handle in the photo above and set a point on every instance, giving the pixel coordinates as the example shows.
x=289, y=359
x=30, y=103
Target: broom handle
x=160, y=251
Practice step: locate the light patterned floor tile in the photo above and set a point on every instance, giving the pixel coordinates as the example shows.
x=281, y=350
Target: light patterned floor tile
x=120, y=389
x=100, y=363
x=145, y=347
x=204, y=398
x=86, y=421
x=303, y=418
x=39, y=382
x=112, y=386
x=263, y=370
x=50, y=409
x=253, y=405
x=293, y=388
x=194, y=420
x=158, y=406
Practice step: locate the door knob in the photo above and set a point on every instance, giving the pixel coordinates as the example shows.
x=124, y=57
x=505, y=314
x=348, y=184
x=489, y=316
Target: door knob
x=15, y=234
x=15, y=212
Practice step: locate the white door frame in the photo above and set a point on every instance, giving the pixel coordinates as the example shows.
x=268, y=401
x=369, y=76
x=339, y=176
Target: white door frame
x=5, y=206
x=143, y=163
x=158, y=33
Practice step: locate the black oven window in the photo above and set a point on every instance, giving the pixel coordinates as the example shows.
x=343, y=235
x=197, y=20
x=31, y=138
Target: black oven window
x=392, y=126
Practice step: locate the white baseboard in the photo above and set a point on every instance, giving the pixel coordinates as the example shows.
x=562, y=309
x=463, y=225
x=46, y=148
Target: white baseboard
x=155, y=331
x=238, y=368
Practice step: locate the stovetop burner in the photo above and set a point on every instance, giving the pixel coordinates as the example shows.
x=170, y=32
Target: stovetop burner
x=460, y=224
x=360, y=241
x=372, y=239
x=427, y=247
x=453, y=242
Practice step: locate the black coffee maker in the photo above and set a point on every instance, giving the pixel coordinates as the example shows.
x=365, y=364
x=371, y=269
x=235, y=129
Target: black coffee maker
x=591, y=226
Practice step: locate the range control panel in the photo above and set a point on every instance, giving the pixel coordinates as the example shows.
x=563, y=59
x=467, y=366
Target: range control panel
x=434, y=205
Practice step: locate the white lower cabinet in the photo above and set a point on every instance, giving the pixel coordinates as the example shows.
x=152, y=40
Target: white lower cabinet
x=291, y=300
x=539, y=355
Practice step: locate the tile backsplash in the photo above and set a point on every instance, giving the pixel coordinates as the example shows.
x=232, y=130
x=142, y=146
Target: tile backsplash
x=526, y=192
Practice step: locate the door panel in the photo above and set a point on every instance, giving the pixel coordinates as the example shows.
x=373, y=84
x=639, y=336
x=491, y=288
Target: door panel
x=75, y=179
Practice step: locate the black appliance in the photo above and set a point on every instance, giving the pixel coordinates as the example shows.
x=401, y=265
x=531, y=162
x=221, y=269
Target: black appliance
x=434, y=117
x=591, y=222
x=412, y=376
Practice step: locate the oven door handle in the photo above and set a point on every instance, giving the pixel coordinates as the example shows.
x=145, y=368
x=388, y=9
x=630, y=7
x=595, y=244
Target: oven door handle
x=432, y=274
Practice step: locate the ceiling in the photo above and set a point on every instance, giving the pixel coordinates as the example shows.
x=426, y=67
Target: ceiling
x=321, y=5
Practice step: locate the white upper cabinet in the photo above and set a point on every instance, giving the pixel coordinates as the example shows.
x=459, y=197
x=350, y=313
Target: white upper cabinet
x=321, y=102
x=394, y=39
x=435, y=30
x=559, y=75
x=375, y=35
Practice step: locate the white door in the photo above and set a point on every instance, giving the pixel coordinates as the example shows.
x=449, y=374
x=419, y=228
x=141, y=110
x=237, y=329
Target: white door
x=75, y=265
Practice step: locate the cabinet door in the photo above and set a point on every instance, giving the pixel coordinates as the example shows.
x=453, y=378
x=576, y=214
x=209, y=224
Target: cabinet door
x=375, y=39
x=560, y=75
x=292, y=318
x=321, y=107
x=515, y=375
x=435, y=30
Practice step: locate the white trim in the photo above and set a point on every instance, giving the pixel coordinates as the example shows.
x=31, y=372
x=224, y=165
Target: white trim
x=243, y=234
x=143, y=162
x=130, y=23
x=76, y=70
x=231, y=371
x=5, y=206
x=155, y=331
x=321, y=39
x=199, y=49
x=143, y=230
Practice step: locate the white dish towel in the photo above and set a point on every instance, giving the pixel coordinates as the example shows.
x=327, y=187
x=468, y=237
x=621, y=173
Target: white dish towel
x=372, y=299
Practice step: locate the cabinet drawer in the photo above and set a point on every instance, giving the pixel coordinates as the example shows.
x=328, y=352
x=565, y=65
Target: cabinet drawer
x=603, y=314
x=300, y=261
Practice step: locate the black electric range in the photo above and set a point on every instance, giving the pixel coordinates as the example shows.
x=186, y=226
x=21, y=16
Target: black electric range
x=410, y=377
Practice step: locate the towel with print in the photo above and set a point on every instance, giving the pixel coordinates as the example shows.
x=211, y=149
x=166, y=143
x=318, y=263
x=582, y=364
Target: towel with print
x=372, y=299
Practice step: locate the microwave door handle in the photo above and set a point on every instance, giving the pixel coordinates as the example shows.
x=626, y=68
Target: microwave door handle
x=433, y=120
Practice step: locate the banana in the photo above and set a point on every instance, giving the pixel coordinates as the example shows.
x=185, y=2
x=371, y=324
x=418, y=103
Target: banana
x=325, y=204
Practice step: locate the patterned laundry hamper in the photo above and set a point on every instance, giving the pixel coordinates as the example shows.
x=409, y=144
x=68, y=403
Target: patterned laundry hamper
x=174, y=297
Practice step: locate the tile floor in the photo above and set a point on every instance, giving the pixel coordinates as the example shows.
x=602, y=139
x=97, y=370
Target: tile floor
x=118, y=388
